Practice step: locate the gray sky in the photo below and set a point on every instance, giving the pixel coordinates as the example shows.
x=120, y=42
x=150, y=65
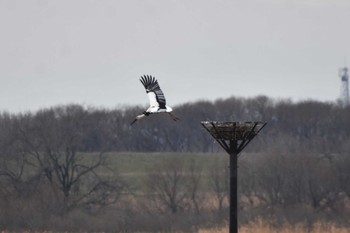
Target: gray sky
x=93, y=52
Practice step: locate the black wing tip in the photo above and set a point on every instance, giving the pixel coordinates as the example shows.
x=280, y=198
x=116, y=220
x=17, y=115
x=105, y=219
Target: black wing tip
x=148, y=80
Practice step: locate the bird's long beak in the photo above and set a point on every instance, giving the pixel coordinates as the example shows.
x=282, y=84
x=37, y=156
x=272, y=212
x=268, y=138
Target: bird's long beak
x=133, y=121
x=138, y=118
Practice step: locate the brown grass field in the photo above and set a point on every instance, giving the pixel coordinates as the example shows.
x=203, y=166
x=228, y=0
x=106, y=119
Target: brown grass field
x=127, y=164
x=260, y=227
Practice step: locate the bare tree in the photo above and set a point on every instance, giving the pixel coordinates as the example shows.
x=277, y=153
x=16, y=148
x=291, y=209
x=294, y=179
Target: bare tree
x=219, y=180
x=272, y=178
x=52, y=140
x=324, y=186
x=342, y=172
x=167, y=186
x=193, y=184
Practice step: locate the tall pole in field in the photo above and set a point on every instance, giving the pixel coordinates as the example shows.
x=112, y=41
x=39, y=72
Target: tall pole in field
x=233, y=137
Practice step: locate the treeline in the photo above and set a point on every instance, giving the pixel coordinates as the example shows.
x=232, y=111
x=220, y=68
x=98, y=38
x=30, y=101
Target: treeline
x=55, y=172
x=307, y=126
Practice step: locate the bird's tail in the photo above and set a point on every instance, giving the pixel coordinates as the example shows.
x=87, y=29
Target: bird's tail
x=168, y=109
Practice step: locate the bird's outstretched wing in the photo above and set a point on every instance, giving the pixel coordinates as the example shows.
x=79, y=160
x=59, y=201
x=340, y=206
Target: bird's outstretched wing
x=155, y=94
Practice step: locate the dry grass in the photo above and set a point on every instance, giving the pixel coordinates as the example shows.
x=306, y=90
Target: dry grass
x=259, y=227
x=262, y=227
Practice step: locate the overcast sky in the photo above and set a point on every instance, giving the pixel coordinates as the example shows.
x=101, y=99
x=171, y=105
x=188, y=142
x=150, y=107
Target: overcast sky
x=55, y=52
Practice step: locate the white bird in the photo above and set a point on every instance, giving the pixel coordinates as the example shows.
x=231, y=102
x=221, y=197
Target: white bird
x=156, y=99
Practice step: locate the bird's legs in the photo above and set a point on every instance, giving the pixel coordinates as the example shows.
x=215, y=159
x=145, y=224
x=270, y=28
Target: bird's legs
x=139, y=117
x=175, y=118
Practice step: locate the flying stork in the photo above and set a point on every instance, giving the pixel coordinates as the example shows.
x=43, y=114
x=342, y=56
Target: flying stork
x=156, y=99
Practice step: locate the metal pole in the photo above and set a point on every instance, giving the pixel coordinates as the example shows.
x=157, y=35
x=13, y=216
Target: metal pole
x=233, y=228
x=238, y=135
